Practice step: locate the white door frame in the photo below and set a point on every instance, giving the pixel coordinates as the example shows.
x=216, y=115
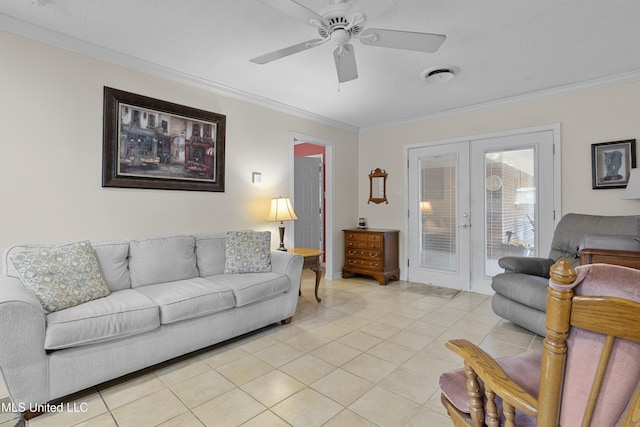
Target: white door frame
x=557, y=162
x=297, y=138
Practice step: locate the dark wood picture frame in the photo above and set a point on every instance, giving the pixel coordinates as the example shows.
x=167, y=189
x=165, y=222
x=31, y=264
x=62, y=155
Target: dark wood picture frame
x=611, y=163
x=155, y=144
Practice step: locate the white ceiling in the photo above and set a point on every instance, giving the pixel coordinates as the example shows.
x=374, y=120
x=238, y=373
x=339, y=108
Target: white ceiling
x=504, y=50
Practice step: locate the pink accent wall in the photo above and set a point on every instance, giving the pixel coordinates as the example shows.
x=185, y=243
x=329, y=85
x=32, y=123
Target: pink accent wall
x=306, y=149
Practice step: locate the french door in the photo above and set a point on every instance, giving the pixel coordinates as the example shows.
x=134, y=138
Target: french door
x=439, y=215
x=473, y=202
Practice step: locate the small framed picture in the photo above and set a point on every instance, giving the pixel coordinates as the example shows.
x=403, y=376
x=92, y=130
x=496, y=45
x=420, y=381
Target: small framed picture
x=611, y=163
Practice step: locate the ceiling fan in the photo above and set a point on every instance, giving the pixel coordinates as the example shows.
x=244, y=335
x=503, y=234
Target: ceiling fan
x=342, y=21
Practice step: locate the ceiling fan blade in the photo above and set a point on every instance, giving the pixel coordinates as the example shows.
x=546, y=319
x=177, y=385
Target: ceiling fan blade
x=421, y=42
x=295, y=10
x=281, y=53
x=371, y=8
x=345, y=63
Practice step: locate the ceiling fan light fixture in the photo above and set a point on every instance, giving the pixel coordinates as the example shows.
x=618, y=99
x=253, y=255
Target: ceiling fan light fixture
x=439, y=75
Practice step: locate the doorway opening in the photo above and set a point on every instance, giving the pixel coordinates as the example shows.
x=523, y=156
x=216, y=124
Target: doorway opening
x=313, y=196
x=309, y=196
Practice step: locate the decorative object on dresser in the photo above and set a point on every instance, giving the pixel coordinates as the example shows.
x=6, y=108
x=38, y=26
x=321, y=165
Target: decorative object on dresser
x=378, y=186
x=371, y=252
x=281, y=210
x=610, y=249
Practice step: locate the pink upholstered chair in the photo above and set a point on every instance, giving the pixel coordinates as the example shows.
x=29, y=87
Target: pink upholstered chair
x=588, y=373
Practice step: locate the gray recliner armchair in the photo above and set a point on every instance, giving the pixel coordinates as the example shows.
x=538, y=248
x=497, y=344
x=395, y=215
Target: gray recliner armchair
x=521, y=291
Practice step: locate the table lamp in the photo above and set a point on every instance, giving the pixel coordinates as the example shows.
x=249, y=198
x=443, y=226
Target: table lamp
x=281, y=210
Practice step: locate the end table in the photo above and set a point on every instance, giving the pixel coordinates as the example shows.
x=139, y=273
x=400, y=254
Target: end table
x=312, y=261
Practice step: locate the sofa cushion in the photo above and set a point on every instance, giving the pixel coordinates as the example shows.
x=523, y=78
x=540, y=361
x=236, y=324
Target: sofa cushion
x=61, y=276
x=210, y=253
x=252, y=287
x=113, y=258
x=186, y=299
x=247, y=252
x=162, y=259
x=121, y=314
x=523, y=288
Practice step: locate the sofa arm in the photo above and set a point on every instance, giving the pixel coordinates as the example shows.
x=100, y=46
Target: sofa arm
x=289, y=264
x=23, y=360
x=526, y=265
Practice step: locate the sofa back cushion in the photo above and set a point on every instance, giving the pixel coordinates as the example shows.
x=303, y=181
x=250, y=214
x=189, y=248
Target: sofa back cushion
x=572, y=227
x=162, y=259
x=113, y=258
x=210, y=253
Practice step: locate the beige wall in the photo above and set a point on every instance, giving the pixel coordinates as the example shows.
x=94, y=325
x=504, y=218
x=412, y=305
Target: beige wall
x=586, y=117
x=51, y=124
x=50, y=178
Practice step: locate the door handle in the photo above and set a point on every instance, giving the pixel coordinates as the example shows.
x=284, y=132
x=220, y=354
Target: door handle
x=465, y=226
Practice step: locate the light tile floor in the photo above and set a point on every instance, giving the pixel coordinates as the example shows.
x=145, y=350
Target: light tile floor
x=367, y=355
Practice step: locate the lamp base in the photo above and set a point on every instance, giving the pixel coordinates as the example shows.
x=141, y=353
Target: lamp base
x=281, y=247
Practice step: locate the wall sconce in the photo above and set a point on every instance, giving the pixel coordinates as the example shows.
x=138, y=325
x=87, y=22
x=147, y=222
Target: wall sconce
x=256, y=177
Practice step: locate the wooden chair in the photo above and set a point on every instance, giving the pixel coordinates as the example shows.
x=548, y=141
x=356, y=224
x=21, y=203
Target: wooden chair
x=588, y=373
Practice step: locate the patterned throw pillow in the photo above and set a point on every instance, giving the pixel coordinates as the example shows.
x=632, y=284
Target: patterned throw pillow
x=61, y=276
x=247, y=252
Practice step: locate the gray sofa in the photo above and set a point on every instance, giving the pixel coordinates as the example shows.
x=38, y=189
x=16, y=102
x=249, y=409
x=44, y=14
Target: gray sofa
x=169, y=295
x=521, y=291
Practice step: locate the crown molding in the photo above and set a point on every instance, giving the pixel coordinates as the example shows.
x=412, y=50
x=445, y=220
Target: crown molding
x=55, y=38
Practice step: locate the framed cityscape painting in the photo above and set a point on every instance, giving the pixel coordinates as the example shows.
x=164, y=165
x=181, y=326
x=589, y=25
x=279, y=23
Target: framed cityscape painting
x=149, y=143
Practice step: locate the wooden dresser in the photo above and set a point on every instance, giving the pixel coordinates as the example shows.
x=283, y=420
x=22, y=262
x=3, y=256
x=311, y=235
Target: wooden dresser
x=618, y=250
x=371, y=252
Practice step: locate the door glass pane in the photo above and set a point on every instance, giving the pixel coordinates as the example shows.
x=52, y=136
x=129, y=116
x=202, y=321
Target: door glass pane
x=510, y=201
x=438, y=206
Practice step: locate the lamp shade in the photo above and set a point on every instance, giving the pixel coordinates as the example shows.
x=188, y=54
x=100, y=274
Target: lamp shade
x=633, y=186
x=281, y=210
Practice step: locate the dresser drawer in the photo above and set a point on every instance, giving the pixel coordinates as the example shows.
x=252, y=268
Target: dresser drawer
x=364, y=254
x=364, y=264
